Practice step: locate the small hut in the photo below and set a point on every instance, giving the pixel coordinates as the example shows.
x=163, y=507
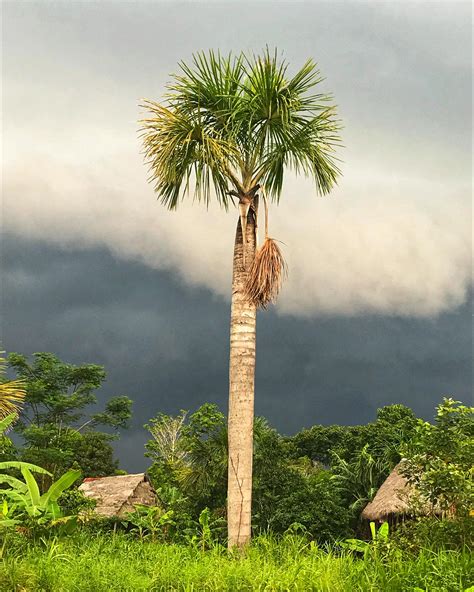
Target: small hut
x=117, y=495
x=392, y=499
x=397, y=498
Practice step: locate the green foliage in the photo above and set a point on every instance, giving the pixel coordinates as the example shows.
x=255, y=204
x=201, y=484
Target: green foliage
x=437, y=533
x=6, y=516
x=439, y=459
x=73, y=501
x=106, y=562
x=379, y=542
x=359, y=479
x=56, y=428
x=286, y=491
x=360, y=457
x=315, y=504
x=231, y=122
x=293, y=496
x=94, y=455
x=57, y=392
x=206, y=531
x=11, y=463
x=12, y=392
x=152, y=523
x=117, y=413
x=8, y=450
x=319, y=442
x=395, y=425
x=190, y=453
x=6, y=422
x=190, y=456
x=25, y=502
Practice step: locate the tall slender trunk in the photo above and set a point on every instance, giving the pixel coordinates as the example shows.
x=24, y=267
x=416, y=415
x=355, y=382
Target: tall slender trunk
x=241, y=392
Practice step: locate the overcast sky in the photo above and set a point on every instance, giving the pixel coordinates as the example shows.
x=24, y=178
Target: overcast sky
x=377, y=307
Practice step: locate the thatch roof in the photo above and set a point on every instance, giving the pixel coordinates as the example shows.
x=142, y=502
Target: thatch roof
x=393, y=497
x=119, y=494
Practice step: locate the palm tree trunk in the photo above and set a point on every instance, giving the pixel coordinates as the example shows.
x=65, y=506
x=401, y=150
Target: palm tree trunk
x=241, y=392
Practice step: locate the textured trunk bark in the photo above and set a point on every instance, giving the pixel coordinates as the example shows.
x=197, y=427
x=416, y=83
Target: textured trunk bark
x=241, y=392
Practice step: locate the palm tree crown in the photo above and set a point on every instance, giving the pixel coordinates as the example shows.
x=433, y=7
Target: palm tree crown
x=230, y=123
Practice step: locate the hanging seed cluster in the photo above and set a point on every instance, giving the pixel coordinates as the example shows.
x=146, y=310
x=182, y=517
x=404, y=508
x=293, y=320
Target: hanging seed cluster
x=266, y=274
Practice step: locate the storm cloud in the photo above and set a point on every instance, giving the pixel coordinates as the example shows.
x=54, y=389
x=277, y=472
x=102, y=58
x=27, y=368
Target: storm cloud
x=393, y=238
x=166, y=345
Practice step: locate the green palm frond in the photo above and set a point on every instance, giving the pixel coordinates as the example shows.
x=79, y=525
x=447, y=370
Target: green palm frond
x=212, y=86
x=306, y=146
x=179, y=146
x=12, y=393
x=228, y=122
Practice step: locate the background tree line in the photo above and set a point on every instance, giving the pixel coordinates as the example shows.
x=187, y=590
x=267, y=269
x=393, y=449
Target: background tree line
x=317, y=480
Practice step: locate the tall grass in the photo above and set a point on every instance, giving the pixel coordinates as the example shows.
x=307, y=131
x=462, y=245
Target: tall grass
x=99, y=563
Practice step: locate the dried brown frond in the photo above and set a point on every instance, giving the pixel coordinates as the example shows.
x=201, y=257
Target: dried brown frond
x=266, y=274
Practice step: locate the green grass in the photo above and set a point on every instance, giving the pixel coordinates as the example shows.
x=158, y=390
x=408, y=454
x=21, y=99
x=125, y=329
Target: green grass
x=116, y=562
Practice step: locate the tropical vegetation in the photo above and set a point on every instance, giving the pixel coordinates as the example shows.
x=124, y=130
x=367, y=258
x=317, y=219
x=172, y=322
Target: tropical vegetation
x=56, y=425
x=88, y=563
x=308, y=493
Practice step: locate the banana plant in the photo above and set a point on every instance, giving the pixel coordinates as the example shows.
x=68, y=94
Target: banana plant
x=25, y=497
x=5, y=520
x=206, y=530
x=379, y=538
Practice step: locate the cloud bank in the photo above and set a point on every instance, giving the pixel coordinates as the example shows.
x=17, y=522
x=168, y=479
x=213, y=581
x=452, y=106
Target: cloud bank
x=382, y=245
x=394, y=238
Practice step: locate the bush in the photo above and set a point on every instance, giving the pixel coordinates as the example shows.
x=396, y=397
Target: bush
x=73, y=502
x=438, y=459
x=288, y=492
x=435, y=533
x=315, y=505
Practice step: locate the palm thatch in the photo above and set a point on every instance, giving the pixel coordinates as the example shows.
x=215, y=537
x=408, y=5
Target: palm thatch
x=117, y=495
x=396, y=497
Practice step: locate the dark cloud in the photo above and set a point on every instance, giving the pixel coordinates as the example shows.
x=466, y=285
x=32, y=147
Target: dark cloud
x=166, y=345
x=395, y=240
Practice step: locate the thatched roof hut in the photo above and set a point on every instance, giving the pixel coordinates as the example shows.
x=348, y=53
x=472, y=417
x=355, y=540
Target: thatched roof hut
x=119, y=494
x=393, y=498
x=396, y=497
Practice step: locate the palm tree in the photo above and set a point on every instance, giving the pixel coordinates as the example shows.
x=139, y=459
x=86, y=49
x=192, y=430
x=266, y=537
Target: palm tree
x=12, y=393
x=230, y=126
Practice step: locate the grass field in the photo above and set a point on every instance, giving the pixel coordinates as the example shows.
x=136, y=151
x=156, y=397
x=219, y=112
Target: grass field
x=98, y=563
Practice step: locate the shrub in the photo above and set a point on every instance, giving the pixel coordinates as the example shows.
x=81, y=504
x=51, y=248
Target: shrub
x=435, y=533
x=73, y=502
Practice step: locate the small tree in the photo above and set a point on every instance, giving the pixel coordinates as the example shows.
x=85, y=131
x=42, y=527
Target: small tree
x=189, y=451
x=439, y=459
x=57, y=429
